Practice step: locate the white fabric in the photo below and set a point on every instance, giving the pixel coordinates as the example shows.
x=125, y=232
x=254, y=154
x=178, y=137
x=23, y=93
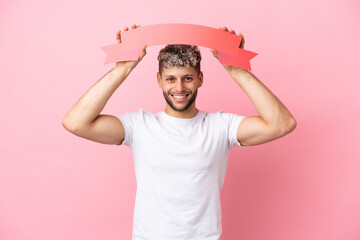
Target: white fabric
x=180, y=167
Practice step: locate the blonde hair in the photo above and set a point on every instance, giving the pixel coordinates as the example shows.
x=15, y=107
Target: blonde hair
x=175, y=55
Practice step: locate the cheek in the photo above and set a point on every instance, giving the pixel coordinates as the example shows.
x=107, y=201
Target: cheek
x=166, y=89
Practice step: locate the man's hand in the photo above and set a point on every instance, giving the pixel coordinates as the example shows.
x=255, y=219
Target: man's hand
x=130, y=64
x=215, y=52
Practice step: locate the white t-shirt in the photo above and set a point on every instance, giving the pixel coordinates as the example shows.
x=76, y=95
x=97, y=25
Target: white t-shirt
x=180, y=166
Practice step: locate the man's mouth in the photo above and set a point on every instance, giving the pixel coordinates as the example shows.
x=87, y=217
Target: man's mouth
x=179, y=97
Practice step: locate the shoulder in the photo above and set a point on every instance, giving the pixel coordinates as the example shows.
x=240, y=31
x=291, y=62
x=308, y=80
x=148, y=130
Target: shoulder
x=135, y=116
x=220, y=115
x=226, y=118
x=138, y=113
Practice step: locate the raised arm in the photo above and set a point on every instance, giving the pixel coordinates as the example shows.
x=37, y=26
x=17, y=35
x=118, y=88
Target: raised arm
x=84, y=118
x=274, y=121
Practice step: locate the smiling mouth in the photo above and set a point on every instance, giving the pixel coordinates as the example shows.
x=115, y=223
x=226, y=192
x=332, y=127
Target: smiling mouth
x=179, y=97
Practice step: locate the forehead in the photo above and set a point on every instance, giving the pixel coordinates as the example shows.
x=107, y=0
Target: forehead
x=181, y=70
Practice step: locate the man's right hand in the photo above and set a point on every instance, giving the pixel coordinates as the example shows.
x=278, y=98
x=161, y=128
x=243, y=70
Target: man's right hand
x=130, y=64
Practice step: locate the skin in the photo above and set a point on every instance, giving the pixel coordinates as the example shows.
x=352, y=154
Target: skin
x=180, y=80
x=84, y=118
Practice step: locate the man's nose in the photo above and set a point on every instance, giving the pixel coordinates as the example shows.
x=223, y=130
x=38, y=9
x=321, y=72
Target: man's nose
x=179, y=86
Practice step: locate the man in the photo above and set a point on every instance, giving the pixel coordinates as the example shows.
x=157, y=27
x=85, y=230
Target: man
x=181, y=153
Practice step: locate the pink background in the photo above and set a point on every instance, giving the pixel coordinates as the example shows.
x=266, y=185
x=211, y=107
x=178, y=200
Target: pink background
x=54, y=185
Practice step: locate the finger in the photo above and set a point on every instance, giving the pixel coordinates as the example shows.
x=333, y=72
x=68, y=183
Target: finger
x=133, y=26
x=213, y=51
x=143, y=50
x=242, y=43
x=118, y=36
x=232, y=31
x=126, y=28
x=225, y=28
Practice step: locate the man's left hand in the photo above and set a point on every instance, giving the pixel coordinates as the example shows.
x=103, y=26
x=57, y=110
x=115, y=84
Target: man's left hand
x=215, y=52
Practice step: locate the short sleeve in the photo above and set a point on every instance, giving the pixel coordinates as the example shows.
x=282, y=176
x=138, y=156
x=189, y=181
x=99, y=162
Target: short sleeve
x=128, y=120
x=232, y=123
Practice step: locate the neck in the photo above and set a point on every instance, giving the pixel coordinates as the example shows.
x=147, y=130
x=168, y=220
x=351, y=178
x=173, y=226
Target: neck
x=189, y=113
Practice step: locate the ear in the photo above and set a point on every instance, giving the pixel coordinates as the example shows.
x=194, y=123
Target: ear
x=201, y=78
x=158, y=78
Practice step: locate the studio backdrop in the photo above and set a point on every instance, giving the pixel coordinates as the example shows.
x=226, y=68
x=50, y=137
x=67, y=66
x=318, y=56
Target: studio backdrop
x=55, y=185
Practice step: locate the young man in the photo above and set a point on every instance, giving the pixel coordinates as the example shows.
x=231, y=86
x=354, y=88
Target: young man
x=180, y=154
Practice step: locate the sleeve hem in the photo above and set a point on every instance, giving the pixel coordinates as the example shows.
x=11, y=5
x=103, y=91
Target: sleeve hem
x=237, y=143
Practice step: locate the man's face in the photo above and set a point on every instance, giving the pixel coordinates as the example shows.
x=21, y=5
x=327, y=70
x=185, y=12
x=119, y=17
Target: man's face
x=179, y=85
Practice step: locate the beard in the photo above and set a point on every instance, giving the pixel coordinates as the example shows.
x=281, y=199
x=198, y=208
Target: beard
x=180, y=109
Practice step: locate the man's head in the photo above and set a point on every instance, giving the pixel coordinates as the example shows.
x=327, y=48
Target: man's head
x=179, y=75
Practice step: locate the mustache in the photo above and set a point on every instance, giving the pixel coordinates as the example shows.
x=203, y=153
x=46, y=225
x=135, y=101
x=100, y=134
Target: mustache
x=186, y=92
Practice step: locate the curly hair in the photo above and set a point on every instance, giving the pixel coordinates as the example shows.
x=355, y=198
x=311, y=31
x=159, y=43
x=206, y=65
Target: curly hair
x=174, y=55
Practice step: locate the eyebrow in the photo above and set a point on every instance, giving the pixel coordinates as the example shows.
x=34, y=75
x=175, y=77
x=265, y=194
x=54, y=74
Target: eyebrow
x=174, y=75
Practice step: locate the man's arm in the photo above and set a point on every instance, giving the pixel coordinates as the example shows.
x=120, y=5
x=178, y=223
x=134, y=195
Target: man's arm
x=274, y=121
x=84, y=118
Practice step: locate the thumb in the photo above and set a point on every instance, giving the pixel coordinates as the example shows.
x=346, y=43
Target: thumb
x=214, y=52
x=143, y=52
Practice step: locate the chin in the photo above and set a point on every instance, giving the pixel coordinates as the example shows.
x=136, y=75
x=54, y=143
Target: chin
x=184, y=106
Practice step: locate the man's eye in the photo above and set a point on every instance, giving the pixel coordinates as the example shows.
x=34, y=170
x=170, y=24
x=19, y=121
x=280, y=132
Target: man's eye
x=188, y=78
x=170, y=79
